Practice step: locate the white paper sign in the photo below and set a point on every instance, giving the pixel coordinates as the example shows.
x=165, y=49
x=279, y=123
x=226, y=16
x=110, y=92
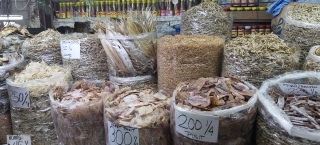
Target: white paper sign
x=118, y=135
x=197, y=127
x=18, y=140
x=70, y=49
x=300, y=89
x=19, y=97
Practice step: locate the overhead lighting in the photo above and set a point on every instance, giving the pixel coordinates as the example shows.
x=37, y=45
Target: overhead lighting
x=11, y=17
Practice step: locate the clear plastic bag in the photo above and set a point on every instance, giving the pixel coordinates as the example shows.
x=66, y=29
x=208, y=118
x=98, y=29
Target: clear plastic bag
x=274, y=125
x=229, y=123
x=36, y=121
x=208, y=18
x=312, y=61
x=14, y=60
x=181, y=58
x=257, y=57
x=77, y=111
x=87, y=59
x=5, y=127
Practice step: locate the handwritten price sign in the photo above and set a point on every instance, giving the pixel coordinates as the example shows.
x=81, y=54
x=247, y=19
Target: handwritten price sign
x=118, y=135
x=299, y=89
x=18, y=140
x=19, y=97
x=70, y=49
x=197, y=127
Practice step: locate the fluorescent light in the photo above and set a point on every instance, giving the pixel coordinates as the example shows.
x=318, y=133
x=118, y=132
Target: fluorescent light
x=11, y=17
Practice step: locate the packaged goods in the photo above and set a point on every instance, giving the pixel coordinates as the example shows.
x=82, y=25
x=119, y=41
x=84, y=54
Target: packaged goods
x=5, y=126
x=312, y=61
x=182, y=57
x=29, y=98
x=215, y=110
x=44, y=47
x=302, y=27
x=288, y=110
x=78, y=113
x=208, y=18
x=84, y=55
x=256, y=57
x=137, y=116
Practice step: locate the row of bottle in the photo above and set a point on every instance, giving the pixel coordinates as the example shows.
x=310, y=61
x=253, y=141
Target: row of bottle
x=120, y=8
x=240, y=31
x=244, y=3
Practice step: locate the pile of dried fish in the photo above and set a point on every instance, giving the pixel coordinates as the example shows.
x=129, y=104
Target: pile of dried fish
x=92, y=62
x=289, y=111
x=9, y=62
x=256, y=57
x=12, y=37
x=44, y=47
x=228, y=98
x=143, y=109
x=182, y=57
x=5, y=127
x=302, y=27
x=130, y=45
x=313, y=59
x=78, y=113
x=208, y=18
x=36, y=121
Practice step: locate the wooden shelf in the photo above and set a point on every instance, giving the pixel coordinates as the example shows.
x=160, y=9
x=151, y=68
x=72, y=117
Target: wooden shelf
x=251, y=16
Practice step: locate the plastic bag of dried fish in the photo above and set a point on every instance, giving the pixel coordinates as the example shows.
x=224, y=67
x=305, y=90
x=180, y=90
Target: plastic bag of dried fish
x=256, y=57
x=5, y=127
x=312, y=61
x=137, y=116
x=210, y=111
x=302, y=27
x=43, y=47
x=77, y=111
x=289, y=110
x=208, y=18
x=12, y=37
x=84, y=55
x=9, y=62
x=30, y=104
x=182, y=57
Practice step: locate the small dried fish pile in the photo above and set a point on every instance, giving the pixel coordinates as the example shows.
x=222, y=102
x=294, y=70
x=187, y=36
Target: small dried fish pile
x=312, y=62
x=36, y=121
x=5, y=127
x=302, y=27
x=130, y=46
x=289, y=110
x=44, y=47
x=144, y=110
x=78, y=113
x=12, y=37
x=256, y=57
x=229, y=99
x=92, y=62
x=182, y=57
x=208, y=18
x=9, y=62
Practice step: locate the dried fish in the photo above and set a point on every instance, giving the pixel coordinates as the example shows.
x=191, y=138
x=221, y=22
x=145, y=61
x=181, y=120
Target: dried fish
x=144, y=109
x=256, y=57
x=12, y=37
x=208, y=18
x=312, y=62
x=5, y=127
x=78, y=112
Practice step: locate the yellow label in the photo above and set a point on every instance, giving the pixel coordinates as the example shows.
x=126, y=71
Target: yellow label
x=103, y=14
x=86, y=14
x=62, y=15
x=155, y=13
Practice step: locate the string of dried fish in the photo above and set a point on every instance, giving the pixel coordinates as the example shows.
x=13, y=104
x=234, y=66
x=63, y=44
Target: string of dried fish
x=78, y=113
x=5, y=127
x=208, y=18
x=92, y=63
x=302, y=27
x=44, y=47
x=183, y=57
x=256, y=57
x=313, y=59
x=210, y=96
x=36, y=121
x=142, y=109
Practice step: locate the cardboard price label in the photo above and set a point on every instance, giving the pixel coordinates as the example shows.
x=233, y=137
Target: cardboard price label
x=118, y=135
x=18, y=140
x=300, y=89
x=70, y=49
x=197, y=127
x=19, y=97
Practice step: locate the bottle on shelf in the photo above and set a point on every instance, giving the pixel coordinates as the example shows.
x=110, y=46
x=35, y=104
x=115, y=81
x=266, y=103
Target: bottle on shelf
x=254, y=29
x=182, y=6
x=240, y=31
x=113, y=8
x=234, y=32
x=163, y=9
x=169, y=8
x=139, y=9
x=243, y=3
x=87, y=9
x=103, y=6
x=252, y=3
x=247, y=30
x=134, y=7
x=176, y=8
x=267, y=29
x=129, y=8
x=93, y=9
x=155, y=8
x=62, y=10
x=82, y=9
x=144, y=5
x=261, y=29
x=235, y=3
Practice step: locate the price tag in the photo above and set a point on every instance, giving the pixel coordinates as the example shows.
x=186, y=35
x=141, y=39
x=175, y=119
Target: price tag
x=197, y=127
x=70, y=49
x=300, y=89
x=18, y=140
x=19, y=97
x=118, y=135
